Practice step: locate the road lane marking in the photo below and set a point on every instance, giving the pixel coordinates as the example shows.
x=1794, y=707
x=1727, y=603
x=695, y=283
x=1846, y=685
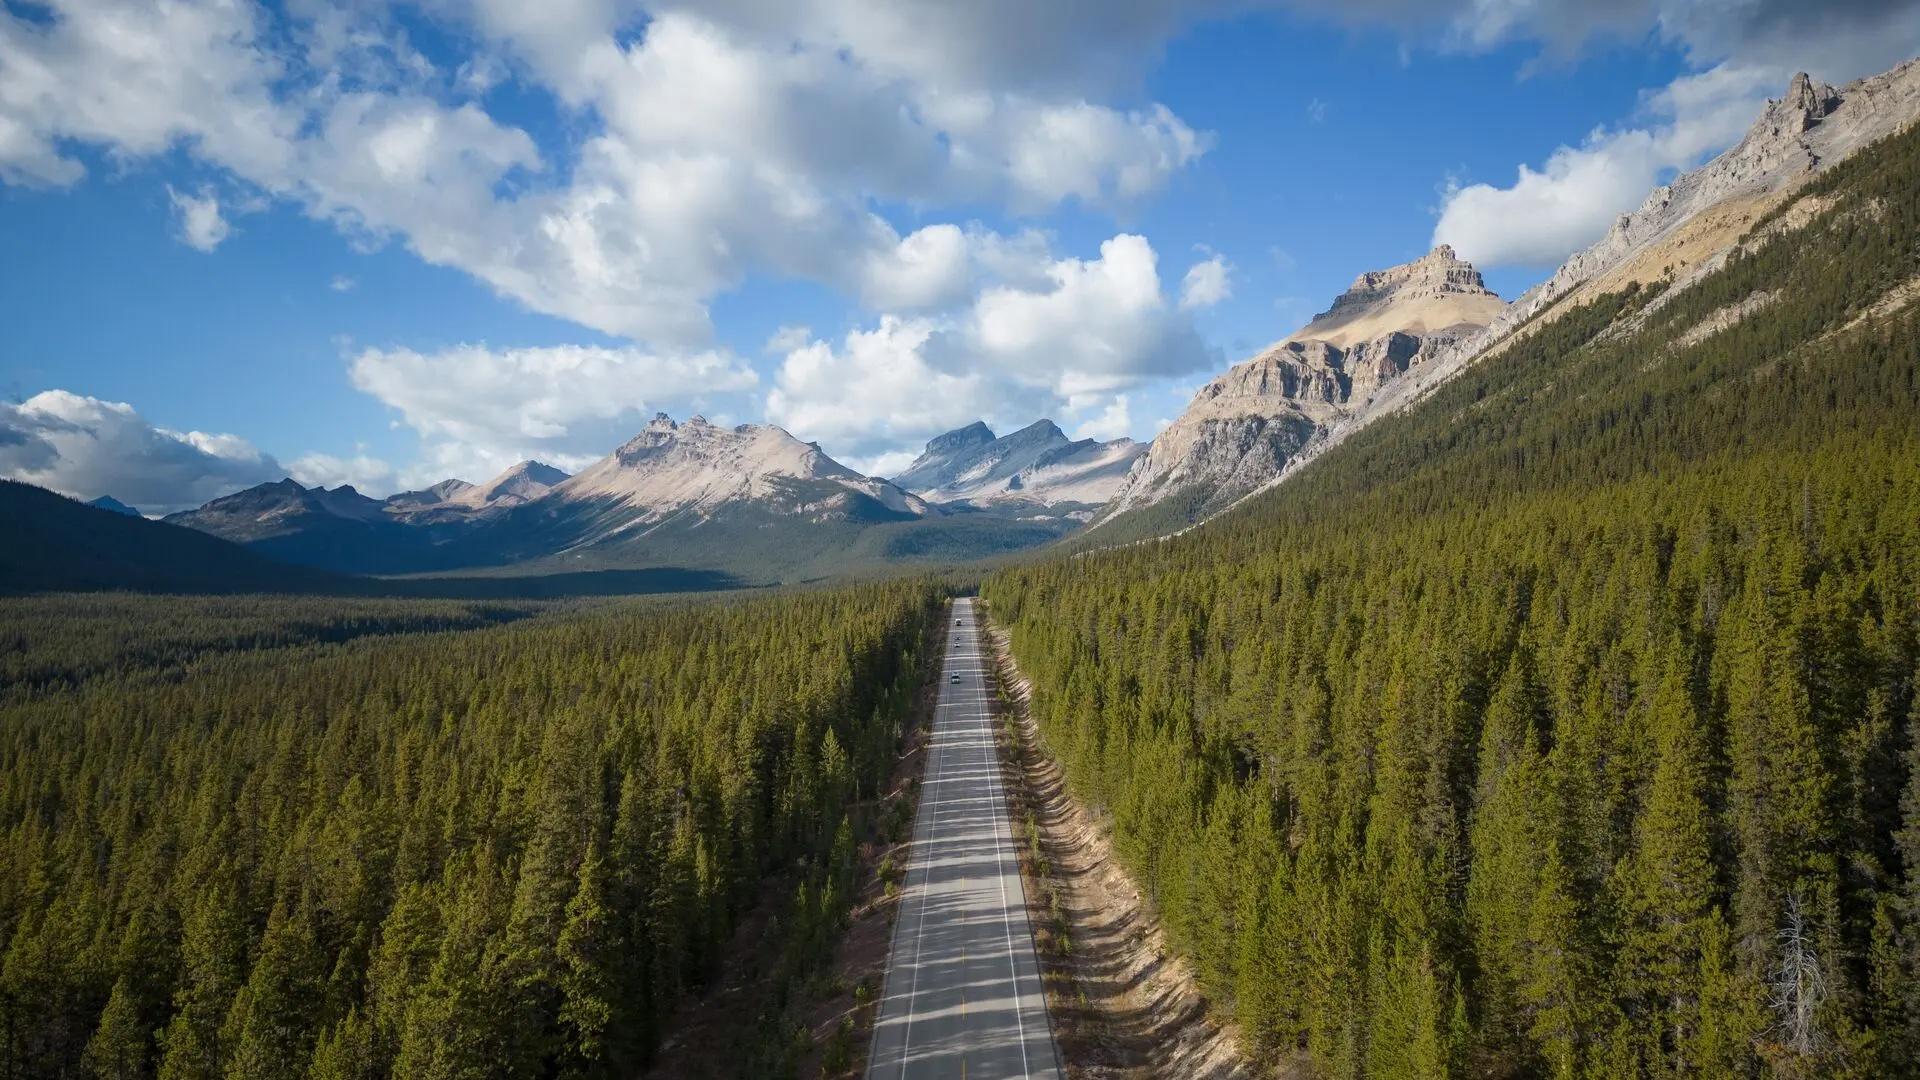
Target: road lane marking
x=926, y=880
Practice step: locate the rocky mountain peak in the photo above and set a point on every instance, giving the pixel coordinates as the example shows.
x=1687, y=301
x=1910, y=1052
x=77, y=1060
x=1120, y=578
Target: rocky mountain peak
x=448, y=488
x=1437, y=292
x=974, y=434
x=538, y=471
x=1439, y=270
x=1243, y=428
x=700, y=468
x=1038, y=431
x=522, y=482
x=1806, y=102
x=108, y=502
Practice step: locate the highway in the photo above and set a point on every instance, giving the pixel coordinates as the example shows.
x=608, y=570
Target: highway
x=962, y=996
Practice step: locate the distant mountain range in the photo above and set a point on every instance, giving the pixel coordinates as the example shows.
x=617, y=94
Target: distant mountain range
x=1036, y=468
x=750, y=499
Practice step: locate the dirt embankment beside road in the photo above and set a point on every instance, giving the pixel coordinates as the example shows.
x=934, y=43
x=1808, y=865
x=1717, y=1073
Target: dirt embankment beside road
x=1124, y=1005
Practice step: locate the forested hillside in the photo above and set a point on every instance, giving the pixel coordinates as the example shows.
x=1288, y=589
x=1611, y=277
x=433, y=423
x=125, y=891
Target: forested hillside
x=48, y=541
x=1564, y=724
x=263, y=850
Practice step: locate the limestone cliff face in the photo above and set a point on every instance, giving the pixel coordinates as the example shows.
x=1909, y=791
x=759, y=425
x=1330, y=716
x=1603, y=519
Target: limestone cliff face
x=1436, y=293
x=1245, y=426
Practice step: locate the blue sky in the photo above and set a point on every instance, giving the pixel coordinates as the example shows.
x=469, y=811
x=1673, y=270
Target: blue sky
x=387, y=244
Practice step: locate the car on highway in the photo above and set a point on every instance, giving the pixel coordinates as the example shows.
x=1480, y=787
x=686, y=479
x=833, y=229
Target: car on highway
x=955, y=679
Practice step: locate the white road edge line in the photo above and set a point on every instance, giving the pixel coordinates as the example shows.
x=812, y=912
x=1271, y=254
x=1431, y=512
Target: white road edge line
x=1006, y=912
x=926, y=876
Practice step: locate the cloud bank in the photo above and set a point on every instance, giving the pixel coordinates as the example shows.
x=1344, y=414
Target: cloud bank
x=85, y=447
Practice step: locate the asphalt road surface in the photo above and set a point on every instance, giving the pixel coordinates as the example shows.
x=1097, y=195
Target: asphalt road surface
x=963, y=995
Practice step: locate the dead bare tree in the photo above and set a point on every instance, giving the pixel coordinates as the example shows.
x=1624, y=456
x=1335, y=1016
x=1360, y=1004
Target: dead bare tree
x=1797, y=984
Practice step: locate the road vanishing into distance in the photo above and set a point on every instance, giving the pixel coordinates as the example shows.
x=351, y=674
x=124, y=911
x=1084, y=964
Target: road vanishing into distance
x=963, y=996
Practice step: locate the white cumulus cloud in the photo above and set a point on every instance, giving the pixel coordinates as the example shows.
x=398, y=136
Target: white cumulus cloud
x=1569, y=202
x=86, y=447
x=201, y=225
x=1207, y=283
x=714, y=142
x=366, y=474
x=1069, y=343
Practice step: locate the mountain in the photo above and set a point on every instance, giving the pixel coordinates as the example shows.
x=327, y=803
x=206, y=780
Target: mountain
x=1037, y=466
x=751, y=500
x=432, y=498
x=523, y=483
x=108, y=502
x=338, y=529
x=940, y=462
x=693, y=472
x=1245, y=426
x=1685, y=230
x=454, y=501
x=280, y=508
x=49, y=542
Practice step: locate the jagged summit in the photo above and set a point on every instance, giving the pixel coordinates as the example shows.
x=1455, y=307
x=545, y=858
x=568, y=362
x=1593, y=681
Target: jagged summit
x=974, y=434
x=1037, y=464
x=1438, y=291
x=108, y=502
x=698, y=467
x=449, y=499
x=519, y=484
x=936, y=464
